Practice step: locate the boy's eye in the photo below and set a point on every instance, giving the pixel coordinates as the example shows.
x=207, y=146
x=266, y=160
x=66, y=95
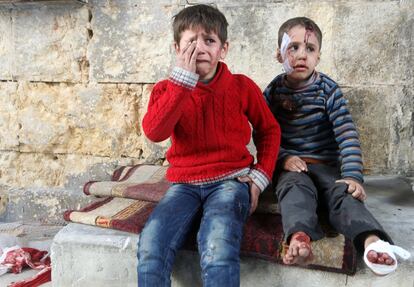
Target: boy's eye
x=294, y=48
x=310, y=49
x=209, y=41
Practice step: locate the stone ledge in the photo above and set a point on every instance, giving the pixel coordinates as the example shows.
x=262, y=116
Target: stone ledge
x=91, y=256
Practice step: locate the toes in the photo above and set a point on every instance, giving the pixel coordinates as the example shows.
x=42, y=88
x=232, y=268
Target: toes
x=372, y=256
x=380, y=258
x=389, y=261
x=295, y=251
x=303, y=250
x=287, y=259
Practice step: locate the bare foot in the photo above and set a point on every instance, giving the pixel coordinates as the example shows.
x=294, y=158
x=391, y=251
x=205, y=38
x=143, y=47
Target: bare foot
x=377, y=257
x=299, y=251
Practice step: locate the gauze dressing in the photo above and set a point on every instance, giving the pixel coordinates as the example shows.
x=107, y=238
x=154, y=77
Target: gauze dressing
x=283, y=51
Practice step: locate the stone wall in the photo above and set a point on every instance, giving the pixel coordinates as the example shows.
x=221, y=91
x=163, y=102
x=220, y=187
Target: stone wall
x=75, y=79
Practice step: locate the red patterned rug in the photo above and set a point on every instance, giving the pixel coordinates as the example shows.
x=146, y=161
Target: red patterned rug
x=134, y=191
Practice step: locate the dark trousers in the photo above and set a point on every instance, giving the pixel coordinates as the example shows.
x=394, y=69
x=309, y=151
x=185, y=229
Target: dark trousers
x=300, y=195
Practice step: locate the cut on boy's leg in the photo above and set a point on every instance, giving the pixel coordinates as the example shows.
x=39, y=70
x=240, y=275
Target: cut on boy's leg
x=298, y=201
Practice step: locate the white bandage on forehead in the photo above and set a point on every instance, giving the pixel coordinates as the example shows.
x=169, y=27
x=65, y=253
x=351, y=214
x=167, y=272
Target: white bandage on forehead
x=283, y=51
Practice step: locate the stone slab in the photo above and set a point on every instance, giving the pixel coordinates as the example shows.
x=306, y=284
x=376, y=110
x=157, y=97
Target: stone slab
x=92, y=256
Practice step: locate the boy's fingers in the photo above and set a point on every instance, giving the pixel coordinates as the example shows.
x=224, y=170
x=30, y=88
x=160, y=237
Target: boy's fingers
x=356, y=193
x=294, y=167
x=253, y=207
x=295, y=164
x=191, y=48
x=254, y=197
x=363, y=194
x=187, y=54
x=359, y=194
x=194, y=56
x=244, y=178
x=302, y=165
x=352, y=188
x=186, y=47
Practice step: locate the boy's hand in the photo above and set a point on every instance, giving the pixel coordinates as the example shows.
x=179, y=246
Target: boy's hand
x=186, y=57
x=294, y=163
x=354, y=188
x=254, y=192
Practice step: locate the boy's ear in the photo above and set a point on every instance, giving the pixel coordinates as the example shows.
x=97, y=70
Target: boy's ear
x=279, y=56
x=224, y=50
x=176, y=47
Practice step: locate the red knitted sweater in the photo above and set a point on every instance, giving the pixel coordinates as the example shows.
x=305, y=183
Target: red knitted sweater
x=209, y=127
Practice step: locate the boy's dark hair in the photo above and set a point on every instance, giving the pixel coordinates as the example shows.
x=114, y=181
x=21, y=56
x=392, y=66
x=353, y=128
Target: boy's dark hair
x=200, y=16
x=300, y=21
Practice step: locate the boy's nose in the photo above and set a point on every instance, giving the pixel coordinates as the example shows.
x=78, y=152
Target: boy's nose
x=302, y=54
x=201, y=45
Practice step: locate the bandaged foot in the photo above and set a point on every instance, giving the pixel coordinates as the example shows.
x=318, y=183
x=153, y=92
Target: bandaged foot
x=380, y=257
x=299, y=251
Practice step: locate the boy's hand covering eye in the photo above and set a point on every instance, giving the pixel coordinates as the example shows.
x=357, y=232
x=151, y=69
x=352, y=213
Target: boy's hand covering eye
x=294, y=163
x=354, y=188
x=186, y=57
x=254, y=192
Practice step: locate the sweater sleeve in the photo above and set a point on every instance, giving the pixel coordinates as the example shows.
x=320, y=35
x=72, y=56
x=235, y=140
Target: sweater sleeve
x=166, y=104
x=346, y=136
x=267, y=95
x=266, y=134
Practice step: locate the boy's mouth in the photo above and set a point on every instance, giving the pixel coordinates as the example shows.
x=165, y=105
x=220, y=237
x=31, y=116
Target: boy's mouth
x=300, y=67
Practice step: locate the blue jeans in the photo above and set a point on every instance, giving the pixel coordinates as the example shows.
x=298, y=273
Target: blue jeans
x=224, y=206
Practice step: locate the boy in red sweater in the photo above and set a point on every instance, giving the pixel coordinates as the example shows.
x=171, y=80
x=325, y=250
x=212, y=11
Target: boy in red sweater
x=207, y=112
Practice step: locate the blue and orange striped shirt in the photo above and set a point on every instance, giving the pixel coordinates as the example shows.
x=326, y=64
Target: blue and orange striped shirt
x=316, y=123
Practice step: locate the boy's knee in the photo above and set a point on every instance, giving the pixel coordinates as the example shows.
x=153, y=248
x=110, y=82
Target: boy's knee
x=232, y=190
x=149, y=234
x=340, y=198
x=297, y=182
x=220, y=252
x=232, y=202
x=292, y=178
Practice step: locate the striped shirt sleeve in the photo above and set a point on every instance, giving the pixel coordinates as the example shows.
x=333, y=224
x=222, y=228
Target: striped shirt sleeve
x=346, y=136
x=184, y=78
x=259, y=178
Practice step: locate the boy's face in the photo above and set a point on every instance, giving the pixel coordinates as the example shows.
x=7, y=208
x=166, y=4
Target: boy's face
x=209, y=47
x=302, y=52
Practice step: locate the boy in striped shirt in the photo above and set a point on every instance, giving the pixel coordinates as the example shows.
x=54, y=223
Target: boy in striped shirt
x=320, y=156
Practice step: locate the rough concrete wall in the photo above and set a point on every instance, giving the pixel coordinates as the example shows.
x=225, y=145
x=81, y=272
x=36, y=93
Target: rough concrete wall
x=75, y=79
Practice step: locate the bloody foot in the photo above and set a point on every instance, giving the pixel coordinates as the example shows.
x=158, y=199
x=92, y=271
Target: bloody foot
x=299, y=251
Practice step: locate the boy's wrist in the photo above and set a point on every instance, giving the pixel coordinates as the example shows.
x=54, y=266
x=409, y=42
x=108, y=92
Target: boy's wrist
x=183, y=77
x=259, y=178
x=358, y=180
